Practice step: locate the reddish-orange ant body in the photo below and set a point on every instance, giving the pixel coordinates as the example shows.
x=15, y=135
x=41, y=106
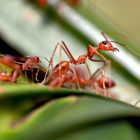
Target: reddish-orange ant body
x=76, y=77
x=91, y=51
x=63, y=67
x=30, y=63
x=64, y=74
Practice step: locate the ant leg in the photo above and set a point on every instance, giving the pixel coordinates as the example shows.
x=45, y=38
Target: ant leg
x=15, y=73
x=26, y=76
x=102, y=56
x=67, y=52
x=95, y=60
x=60, y=52
x=36, y=74
x=46, y=73
x=73, y=70
x=51, y=61
x=57, y=82
x=93, y=81
x=104, y=88
x=88, y=69
x=32, y=75
x=50, y=64
x=96, y=74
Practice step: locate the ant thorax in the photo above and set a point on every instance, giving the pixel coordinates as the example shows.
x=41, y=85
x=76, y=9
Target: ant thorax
x=82, y=59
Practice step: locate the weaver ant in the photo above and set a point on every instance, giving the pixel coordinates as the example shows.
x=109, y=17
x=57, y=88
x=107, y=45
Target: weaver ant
x=91, y=51
x=25, y=64
x=29, y=63
x=75, y=76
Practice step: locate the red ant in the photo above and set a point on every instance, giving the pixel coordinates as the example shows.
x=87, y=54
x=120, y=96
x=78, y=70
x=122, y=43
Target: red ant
x=75, y=75
x=29, y=63
x=104, y=45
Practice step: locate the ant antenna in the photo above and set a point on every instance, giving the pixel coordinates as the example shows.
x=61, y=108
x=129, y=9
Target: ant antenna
x=104, y=36
x=113, y=40
x=118, y=43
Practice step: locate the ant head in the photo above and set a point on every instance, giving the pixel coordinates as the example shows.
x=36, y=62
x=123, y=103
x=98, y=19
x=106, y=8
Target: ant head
x=106, y=81
x=106, y=45
x=35, y=59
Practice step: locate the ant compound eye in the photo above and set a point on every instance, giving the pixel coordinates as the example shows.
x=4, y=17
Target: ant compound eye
x=104, y=42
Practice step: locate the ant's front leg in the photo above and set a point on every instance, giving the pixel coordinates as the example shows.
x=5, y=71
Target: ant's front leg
x=95, y=60
x=15, y=73
x=37, y=72
x=57, y=82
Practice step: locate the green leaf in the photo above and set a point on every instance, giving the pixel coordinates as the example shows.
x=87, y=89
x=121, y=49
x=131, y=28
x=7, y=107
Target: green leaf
x=79, y=116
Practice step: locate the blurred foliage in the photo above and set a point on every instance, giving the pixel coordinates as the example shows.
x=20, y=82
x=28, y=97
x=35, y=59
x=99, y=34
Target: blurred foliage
x=65, y=114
